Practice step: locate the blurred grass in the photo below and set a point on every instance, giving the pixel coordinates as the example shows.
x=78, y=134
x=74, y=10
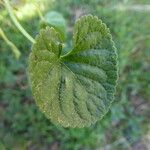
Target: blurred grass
x=23, y=126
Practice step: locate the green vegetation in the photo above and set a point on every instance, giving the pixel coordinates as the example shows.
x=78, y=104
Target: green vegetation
x=77, y=88
x=23, y=126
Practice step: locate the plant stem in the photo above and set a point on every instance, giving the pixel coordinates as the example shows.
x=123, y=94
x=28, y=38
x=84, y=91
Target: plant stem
x=13, y=47
x=39, y=11
x=65, y=55
x=18, y=25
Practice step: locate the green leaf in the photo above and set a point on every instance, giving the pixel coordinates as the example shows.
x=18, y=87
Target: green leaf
x=55, y=20
x=76, y=89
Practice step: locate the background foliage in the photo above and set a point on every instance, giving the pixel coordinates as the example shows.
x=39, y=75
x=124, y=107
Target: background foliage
x=126, y=126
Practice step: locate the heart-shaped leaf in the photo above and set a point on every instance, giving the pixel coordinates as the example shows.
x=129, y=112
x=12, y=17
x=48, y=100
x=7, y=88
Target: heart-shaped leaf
x=76, y=89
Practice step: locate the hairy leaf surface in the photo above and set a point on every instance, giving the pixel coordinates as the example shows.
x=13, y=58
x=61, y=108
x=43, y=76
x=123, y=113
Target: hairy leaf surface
x=76, y=89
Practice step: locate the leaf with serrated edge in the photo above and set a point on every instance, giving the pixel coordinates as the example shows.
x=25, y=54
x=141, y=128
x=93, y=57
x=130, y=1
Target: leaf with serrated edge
x=76, y=89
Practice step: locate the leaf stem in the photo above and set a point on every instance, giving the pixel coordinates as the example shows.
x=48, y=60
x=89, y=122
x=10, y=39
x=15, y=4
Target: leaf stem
x=39, y=11
x=65, y=55
x=13, y=47
x=18, y=25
